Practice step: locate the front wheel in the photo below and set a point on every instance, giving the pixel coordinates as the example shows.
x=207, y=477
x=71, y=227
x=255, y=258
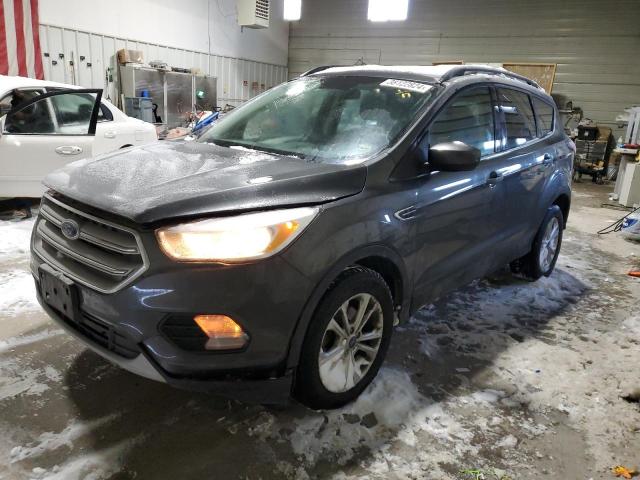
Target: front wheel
x=347, y=340
x=541, y=260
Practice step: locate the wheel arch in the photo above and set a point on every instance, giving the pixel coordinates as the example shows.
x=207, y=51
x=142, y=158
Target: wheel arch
x=564, y=202
x=380, y=258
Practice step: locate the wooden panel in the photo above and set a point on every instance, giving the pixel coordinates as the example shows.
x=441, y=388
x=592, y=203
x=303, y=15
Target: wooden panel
x=542, y=73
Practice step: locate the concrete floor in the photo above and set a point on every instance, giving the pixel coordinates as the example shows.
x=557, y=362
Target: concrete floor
x=518, y=380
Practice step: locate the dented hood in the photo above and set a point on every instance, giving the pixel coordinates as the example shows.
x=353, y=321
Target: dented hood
x=176, y=179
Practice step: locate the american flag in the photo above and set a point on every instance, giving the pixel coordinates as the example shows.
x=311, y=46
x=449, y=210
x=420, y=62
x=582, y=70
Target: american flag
x=19, y=39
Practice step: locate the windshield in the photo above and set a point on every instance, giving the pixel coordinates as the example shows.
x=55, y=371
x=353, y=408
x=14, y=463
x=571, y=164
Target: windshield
x=337, y=119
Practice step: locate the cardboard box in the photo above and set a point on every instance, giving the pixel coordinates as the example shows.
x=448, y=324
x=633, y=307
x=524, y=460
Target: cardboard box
x=129, y=56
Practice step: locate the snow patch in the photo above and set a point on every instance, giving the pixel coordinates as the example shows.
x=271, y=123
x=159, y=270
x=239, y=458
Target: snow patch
x=632, y=325
x=50, y=441
x=391, y=398
x=92, y=466
x=18, y=380
x=17, y=293
x=507, y=442
x=389, y=413
x=16, y=235
x=14, y=342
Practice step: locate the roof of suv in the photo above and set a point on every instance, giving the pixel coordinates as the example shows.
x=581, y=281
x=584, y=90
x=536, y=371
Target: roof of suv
x=431, y=73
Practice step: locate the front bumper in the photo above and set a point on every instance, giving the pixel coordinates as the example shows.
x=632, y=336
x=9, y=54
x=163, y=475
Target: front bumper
x=265, y=391
x=126, y=327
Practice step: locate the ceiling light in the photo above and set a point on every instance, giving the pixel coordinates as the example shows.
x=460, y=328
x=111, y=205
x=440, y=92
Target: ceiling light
x=388, y=10
x=292, y=10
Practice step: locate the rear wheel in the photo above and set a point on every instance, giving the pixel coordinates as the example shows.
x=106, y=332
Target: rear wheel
x=347, y=340
x=541, y=260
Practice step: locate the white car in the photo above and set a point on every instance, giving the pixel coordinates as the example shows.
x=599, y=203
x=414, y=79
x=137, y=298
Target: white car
x=52, y=124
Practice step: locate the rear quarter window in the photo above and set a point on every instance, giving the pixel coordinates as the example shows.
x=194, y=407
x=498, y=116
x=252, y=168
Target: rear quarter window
x=544, y=116
x=519, y=122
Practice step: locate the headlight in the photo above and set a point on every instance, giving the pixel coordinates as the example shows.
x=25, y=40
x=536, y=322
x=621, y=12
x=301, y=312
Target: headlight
x=235, y=239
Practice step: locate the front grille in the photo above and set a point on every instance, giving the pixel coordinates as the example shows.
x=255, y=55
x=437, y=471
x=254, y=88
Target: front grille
x=105, y=256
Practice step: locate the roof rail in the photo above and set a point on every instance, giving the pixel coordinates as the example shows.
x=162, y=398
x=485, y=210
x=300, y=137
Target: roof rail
x=318, y=69
x=461, y=70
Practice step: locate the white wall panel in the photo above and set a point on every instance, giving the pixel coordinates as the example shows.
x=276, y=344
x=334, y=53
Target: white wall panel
x=196, y=25
x=100, y=53
x=595, y=44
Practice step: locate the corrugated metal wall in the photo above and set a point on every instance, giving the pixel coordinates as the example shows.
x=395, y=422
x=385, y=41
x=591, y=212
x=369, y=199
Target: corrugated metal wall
x=595, y=43
x=237, y=78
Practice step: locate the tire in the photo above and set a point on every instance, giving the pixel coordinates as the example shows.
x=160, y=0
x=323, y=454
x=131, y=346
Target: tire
x=327, y=386
x=536, y=264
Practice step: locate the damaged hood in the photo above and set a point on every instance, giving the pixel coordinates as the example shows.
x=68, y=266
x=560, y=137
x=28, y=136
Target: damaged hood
x=174, y=179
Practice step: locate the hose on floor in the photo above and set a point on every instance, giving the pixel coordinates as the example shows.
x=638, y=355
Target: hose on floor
x=617, y=225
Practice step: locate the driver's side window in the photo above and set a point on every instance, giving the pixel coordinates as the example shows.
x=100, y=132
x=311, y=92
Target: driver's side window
x=16, y=97
x=35, y=118
x=68, y=113
x=468, y=118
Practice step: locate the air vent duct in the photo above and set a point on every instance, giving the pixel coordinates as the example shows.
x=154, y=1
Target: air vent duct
x=253, y=13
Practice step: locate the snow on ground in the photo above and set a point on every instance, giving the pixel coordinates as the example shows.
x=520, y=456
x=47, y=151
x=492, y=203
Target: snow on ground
x=50, y=441
x=14, y=239
x=92, y=466
x=17, y=293
x=18, y=341
x=17, y=290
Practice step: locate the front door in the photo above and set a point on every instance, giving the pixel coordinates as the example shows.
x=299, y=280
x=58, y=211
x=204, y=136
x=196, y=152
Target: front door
x=43, y=134
x=459, y=215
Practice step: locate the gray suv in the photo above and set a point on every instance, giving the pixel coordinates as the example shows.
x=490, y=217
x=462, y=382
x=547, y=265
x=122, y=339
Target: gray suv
x=273, y=255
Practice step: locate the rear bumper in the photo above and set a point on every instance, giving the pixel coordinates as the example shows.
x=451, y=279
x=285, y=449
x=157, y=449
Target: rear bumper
x=275, y=390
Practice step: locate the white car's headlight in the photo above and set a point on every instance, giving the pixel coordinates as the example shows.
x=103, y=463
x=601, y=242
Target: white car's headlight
x=235, y=239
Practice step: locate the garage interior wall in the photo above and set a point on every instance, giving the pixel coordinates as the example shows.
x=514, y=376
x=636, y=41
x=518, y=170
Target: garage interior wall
x=197, y=33
x=595, y=43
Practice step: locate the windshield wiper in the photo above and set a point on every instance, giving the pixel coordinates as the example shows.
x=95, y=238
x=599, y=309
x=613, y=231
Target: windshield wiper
x=276, y=151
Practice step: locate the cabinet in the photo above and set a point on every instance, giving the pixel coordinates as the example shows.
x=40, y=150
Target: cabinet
x=174, y=94
x=630, y=188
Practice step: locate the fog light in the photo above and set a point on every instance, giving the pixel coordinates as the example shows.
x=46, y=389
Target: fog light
x=223, y=332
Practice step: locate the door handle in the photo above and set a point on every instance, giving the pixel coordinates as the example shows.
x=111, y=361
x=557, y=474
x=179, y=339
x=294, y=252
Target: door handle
x=547, y=159
x=110, y=134
x=494, y=177
x=69, y=150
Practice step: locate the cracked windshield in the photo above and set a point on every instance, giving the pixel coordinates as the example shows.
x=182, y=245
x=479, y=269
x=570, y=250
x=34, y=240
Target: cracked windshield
x=333, y=119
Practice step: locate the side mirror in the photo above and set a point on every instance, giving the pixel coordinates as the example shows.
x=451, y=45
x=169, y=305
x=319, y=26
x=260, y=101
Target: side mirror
x=453, y=157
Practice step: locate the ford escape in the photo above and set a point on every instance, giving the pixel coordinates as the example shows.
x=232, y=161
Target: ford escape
x=273, y=255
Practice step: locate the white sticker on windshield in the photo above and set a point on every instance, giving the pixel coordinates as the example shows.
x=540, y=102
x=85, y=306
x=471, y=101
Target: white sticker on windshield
x=406, y=85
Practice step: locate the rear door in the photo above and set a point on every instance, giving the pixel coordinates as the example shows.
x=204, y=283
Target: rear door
x=526, y=161
x=459, y=215
x=43, y=134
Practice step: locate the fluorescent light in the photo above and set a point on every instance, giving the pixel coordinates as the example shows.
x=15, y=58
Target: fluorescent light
x=388, y=10
x=292, y=10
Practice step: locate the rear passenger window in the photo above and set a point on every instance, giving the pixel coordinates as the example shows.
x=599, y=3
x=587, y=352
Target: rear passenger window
x=544, y=116
x=520, y=125
x=469, y=119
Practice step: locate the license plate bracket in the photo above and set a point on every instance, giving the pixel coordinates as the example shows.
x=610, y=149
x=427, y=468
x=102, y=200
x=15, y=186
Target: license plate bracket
x=59, y=292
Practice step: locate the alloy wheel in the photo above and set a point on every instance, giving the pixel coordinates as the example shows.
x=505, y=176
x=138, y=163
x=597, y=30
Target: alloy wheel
x=350, y=342
x=549, y=244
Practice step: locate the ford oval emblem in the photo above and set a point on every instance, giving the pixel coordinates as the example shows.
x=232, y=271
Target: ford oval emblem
x=70, y=229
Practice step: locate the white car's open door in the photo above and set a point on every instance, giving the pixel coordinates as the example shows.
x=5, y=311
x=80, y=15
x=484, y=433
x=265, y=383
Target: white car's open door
x=42, y=134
